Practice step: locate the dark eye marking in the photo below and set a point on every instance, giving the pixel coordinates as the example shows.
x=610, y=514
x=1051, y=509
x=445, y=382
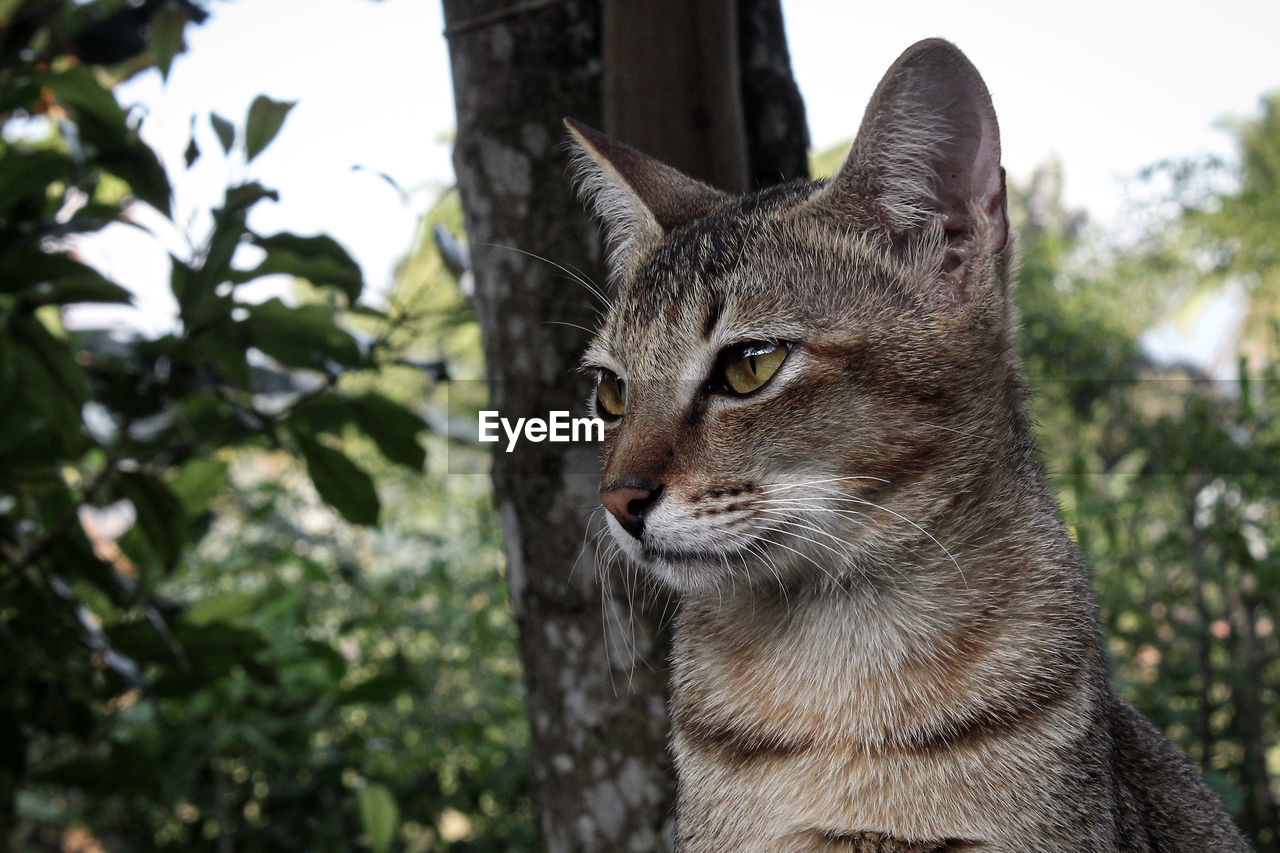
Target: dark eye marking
x=713, y=317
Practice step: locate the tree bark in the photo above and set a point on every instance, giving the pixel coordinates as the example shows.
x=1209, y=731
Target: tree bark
x=594, y=648
x=596, y=702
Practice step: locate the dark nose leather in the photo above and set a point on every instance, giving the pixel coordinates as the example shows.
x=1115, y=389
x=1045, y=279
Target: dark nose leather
x=629, y=504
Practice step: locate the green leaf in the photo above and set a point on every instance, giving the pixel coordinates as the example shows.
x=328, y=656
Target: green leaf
x=320, y=260
x=28, y=174
x=244, y=196
x=264, y=121
x=225, y=607
x=225, y=130
x=8, y=8
x=333, y=663
x=341, y=484
x=195, y=300
x=104, y=126
x=160, y=515
x=140, y=551
x=166, y=37
x=42, y=278
x=379, y=815
x=192, y=656
x=303, y=336
x=224, y=351
x=21, y=88
x=392, y=427
x=100, y=119
x=79, y=284
x=196, y=288
x=198, y=481
x=328, y=413
x=52, y=382
x=137, y=166
x=378, y=690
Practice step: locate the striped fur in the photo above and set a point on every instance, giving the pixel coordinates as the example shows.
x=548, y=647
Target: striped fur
x=887, y=640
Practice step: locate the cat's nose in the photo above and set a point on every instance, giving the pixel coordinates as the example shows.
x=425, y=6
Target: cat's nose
x=630, y=503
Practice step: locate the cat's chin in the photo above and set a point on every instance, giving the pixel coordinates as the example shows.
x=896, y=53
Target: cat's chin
x=688, y=571
x=690, y=574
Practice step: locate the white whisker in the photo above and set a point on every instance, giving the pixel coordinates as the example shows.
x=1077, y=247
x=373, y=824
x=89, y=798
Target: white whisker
x=772, y=487
x=576, y=274
x=956, y=431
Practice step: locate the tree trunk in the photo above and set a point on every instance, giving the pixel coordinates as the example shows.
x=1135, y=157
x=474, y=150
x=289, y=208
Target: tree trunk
x=665, y=87
x=772, y=109
x=594, y=650
x=597, y=758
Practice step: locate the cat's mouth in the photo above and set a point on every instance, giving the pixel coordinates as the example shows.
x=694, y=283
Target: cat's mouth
x=692, y=570
x=655, y=553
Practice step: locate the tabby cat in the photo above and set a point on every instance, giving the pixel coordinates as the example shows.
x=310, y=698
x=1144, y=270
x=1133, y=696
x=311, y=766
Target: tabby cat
x=816, y=435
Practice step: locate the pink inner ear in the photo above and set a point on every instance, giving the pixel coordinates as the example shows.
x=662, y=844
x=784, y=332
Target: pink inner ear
x=962, y=160
x=974, y=210
x=997, y=212
x=986, y=187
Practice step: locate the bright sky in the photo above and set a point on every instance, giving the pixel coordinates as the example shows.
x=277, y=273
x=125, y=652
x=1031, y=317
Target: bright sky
x=1107, y=86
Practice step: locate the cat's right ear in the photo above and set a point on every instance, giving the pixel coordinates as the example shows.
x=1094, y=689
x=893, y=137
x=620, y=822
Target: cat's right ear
x=638, y=198
x=925, y=170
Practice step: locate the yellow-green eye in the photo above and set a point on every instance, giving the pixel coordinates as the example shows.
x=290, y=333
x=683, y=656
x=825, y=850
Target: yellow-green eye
x=749, y=366
x=611, y=394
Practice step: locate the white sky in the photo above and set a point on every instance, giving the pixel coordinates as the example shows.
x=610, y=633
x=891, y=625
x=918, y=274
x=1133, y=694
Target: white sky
x=1108, y=87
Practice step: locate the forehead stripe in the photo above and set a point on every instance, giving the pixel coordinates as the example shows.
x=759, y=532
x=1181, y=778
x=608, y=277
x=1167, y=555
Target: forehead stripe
x=713, y=316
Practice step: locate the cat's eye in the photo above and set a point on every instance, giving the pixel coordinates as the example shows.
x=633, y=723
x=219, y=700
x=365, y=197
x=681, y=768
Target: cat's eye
x=747, y=367
x=611, y=394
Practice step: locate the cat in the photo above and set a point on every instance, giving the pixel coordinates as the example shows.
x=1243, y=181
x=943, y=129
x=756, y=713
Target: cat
x=816, y=435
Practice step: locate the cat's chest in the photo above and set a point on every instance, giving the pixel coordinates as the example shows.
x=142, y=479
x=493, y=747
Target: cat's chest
x=798, y=733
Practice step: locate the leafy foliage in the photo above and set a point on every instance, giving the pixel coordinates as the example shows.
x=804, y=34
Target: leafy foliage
x=201, y=646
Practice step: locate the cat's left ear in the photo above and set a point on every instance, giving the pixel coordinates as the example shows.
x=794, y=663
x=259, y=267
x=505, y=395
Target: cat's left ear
x=639, y=198
x=925, y=169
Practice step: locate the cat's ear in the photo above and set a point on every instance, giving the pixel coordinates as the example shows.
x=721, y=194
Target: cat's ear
x=638, y=198
x=925, y=166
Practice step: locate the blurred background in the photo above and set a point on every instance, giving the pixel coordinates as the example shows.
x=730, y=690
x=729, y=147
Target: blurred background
x=253, y=587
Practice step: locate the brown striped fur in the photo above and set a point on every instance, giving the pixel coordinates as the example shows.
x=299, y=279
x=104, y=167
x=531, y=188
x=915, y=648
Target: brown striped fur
x=887, y=640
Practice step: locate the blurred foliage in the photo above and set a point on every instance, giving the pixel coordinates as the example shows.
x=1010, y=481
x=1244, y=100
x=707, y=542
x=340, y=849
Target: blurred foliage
x=1240, y=230
x=1218, y=219
x=203, y=643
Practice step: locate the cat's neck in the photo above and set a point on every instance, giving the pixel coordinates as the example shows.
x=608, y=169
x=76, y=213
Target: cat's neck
x=1005, y=611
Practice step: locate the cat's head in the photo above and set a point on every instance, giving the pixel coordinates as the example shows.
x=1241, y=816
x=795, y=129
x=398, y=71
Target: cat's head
x=798, y=381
